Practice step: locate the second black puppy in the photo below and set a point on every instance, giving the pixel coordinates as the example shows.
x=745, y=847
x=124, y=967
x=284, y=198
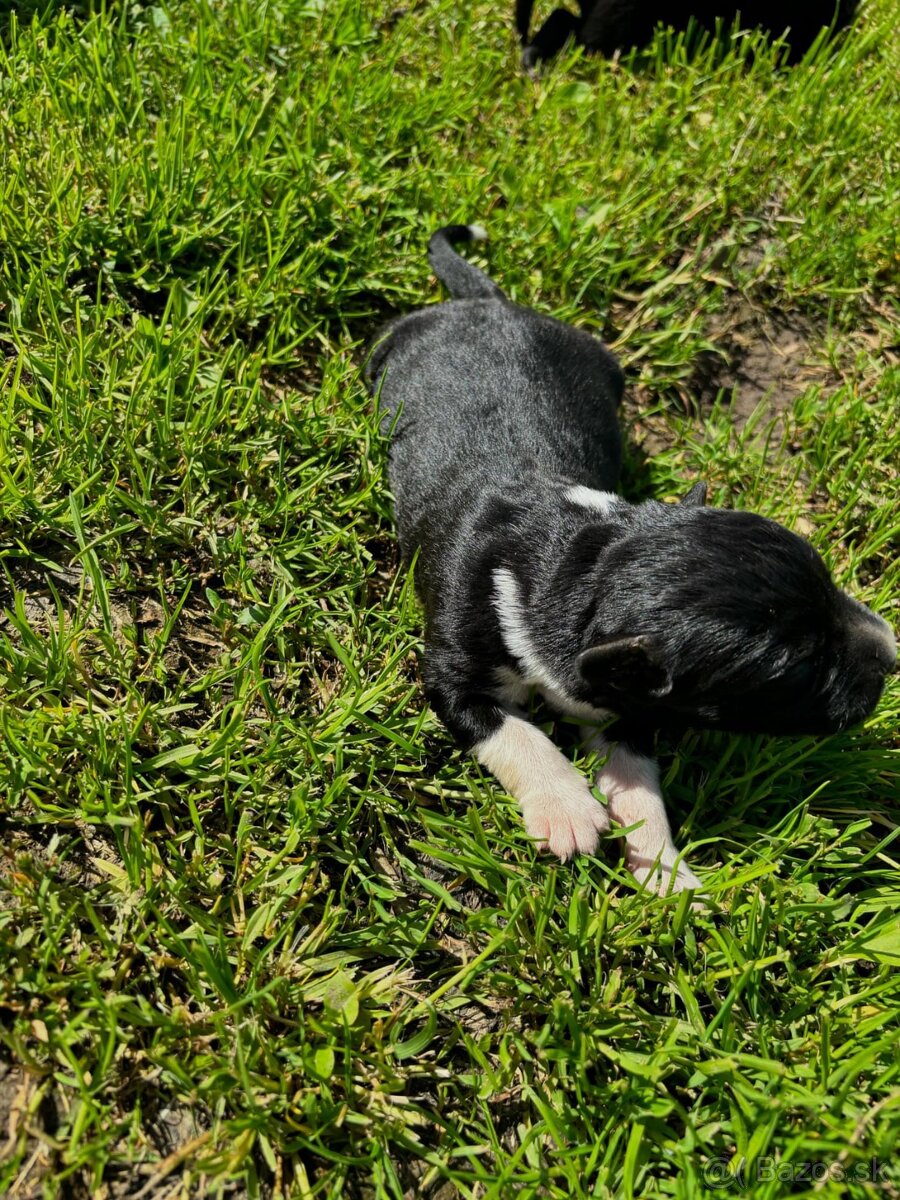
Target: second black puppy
x=610, y=25
x=504, y=452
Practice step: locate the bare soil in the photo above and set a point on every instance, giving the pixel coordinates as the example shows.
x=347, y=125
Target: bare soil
x=764, y=358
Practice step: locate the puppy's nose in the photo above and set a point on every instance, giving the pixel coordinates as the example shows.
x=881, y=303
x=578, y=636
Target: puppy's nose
x=877, y=634
x=886, y=649
x=886, y=657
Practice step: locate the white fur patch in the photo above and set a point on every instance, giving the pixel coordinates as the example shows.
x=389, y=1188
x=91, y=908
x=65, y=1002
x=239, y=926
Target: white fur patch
x=603, y=502
x=477, y=233
x=630, y=783
x=517, y=640
x=512, y=691
x=559, y=810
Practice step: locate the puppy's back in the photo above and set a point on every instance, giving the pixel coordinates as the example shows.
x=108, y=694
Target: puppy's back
x=489, y=386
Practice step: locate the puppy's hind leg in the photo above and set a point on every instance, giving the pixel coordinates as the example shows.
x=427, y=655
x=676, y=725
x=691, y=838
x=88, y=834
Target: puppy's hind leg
x=630, y=782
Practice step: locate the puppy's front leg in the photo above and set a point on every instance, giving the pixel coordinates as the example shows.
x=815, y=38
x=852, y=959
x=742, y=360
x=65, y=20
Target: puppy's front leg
x=556, y=801
x=630, y=782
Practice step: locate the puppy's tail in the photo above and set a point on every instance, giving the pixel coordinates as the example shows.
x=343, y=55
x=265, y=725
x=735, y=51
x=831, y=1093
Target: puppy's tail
x=463, y=280
x=523, y=19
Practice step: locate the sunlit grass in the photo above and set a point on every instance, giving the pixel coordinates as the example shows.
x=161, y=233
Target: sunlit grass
x=262, y=929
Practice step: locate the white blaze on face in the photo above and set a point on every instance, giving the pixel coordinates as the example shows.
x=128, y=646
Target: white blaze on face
x=559, y=810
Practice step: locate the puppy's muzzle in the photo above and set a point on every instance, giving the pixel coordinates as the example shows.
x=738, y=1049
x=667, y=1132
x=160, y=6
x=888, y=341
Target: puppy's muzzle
x=875, y=639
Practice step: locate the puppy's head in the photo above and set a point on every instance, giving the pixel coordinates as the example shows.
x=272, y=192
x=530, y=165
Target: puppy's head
x=725, y=619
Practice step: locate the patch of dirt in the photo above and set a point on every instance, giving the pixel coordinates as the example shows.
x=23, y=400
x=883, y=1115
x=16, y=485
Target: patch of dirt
x=193, y=647
x=387, y=25
x=766, y=356
x=301, y=377
x=30, y=1116
x=763, y=357
x=648, y=433
x=25, y=1114
x=385, y=553
x=53, y=848
x=38, y=601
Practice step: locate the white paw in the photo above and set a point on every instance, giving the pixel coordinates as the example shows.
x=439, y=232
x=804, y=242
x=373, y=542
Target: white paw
x=567, y=823
x=663, y=877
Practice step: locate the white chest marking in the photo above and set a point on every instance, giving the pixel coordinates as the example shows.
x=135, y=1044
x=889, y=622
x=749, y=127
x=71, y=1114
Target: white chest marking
x=534, y=674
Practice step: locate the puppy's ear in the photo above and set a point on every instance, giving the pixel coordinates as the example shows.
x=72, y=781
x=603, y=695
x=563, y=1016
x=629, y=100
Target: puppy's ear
x=696, y=497
x=627, y=666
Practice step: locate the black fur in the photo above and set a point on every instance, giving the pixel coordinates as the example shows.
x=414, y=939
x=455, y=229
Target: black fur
x=667, y=614
x=610, y=25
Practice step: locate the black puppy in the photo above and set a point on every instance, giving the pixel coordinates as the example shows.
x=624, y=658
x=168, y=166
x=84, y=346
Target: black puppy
x=610, y=25
x=504, y=452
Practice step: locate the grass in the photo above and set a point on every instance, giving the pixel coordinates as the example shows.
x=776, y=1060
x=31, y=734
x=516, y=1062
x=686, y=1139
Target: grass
x=263, y=932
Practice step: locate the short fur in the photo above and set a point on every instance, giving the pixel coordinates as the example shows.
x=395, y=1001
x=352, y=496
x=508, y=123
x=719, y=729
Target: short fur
x=610, y=25
x=505, y=451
